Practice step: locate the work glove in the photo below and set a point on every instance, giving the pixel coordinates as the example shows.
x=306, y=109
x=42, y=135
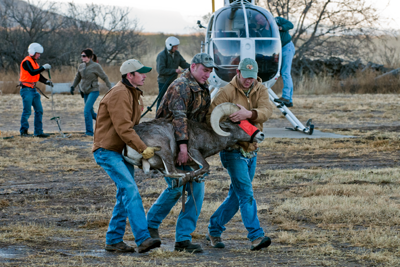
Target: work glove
x=50, y=83
x=149, y=152
x=46, y=66
x=82, y=94
x=72, y=90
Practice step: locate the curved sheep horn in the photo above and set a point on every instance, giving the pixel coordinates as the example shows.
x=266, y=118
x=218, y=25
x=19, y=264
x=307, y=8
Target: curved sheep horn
x=224, y=109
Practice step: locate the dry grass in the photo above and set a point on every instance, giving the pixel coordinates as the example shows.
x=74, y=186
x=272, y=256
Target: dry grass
x=376, y=237
x=365, y=83
x=357, y=210
x=35, y=233
x=308, y=237
x=43, y=157
x=362, y=83
x=318, y=208
x=346, y=111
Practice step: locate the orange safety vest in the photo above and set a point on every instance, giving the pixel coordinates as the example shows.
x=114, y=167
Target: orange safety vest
x=25, y=78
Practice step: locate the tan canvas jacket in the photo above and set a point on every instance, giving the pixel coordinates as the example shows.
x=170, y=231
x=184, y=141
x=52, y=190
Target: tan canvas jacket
x=258, y=100
x=119, y=111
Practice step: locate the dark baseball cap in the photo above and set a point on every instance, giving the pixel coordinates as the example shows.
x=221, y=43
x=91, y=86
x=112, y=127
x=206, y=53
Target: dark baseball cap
x=205, y=59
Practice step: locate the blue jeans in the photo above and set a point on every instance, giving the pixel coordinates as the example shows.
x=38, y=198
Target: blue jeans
x=30, y=97
x=88, y=111
x=129, y=203
x=187, y=220
x=241, y=170
x=162, y=89
x=287, y=58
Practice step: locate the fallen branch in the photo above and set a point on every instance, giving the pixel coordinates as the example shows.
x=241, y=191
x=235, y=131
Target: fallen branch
x=394, y=72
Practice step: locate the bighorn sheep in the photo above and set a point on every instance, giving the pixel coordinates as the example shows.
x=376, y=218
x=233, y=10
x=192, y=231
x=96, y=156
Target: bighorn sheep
x=204, y=142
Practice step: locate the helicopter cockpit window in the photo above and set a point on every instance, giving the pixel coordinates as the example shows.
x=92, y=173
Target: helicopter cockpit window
x=259, y=24
x=230, y=23
x=267, y=57
x=227, y=57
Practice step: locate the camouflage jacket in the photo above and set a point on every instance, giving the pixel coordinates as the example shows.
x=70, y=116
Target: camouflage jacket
x=184, y=100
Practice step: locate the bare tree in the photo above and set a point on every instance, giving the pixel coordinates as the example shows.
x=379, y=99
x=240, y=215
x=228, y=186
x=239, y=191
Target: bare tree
x=325, y=28
x=23, y=23
x=107, y=30
x=64, y=30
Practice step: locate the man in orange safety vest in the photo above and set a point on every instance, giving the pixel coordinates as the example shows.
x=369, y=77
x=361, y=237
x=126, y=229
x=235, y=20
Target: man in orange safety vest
x=29, y=76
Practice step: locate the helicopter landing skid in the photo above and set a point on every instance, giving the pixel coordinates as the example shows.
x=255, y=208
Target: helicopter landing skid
x=297, y=125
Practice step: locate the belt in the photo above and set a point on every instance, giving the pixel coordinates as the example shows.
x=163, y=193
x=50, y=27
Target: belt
x=22, y=84
x=27, y=84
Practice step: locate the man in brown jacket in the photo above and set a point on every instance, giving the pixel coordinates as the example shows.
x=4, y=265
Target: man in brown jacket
x=119, y=111
x=251, y=96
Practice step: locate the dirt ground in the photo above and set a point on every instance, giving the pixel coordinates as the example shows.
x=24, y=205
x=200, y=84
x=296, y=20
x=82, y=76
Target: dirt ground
x=323, y=202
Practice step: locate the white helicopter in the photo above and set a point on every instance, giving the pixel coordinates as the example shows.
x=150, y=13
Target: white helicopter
x=232, y=34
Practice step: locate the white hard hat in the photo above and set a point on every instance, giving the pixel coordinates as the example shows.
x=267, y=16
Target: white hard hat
x=170, y=42
x=34, y=48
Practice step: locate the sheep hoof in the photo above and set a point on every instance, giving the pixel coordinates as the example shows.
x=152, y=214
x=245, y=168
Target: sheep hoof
x=145, y=166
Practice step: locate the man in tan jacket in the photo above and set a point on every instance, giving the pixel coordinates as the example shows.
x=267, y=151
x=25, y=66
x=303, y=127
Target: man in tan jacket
x=119, y=111
x=251, y=96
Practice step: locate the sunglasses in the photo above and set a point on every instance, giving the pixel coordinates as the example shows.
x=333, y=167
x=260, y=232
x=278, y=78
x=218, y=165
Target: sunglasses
x=83, y=55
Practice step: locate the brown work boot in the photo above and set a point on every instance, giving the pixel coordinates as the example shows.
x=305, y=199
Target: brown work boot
x=26, y=134
x=119, y=247
x=154, y=233
x=261, y=242
x=42, y=135
x=216, y=241
x=149, y=244
x=284, y=101
x=188, y=246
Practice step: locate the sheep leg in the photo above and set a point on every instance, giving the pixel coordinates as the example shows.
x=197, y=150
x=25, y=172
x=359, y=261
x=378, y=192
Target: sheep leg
x=190, y=176
x=182, y=180
x=199, y=159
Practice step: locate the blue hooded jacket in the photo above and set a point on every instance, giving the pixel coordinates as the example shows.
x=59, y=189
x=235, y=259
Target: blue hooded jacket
x=284, y=33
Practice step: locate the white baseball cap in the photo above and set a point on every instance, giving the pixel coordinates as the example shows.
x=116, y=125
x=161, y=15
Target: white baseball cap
x=133, y=65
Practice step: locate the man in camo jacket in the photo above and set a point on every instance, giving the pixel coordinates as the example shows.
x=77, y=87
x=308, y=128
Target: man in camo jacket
x=187, y=98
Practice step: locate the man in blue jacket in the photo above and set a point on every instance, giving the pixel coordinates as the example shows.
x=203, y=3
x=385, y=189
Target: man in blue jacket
x=287, y=58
